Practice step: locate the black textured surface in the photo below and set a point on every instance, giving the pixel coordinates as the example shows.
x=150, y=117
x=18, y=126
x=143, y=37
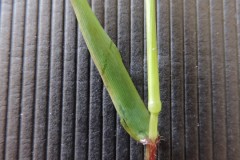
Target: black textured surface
x=53, y=104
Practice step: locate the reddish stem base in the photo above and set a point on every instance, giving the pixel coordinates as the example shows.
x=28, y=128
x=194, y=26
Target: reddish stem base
x=151, y=150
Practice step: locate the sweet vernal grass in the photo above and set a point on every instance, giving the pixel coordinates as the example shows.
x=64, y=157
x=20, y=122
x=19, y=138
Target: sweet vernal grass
x=140, y=123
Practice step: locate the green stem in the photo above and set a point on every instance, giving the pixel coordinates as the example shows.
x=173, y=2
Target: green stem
x=154, y=103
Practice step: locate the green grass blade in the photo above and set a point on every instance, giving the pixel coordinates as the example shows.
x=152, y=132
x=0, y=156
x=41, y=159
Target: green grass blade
x=130, y=107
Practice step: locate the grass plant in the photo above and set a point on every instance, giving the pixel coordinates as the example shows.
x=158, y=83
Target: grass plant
x=140, y=123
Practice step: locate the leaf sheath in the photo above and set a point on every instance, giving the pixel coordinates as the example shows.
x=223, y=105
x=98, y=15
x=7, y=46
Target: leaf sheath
x=129, y=105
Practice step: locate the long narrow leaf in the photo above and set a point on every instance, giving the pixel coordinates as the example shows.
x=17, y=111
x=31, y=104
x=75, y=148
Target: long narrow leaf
x=130, y=107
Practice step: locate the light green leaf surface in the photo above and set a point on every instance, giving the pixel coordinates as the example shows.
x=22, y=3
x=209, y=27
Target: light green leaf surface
x=129, y=105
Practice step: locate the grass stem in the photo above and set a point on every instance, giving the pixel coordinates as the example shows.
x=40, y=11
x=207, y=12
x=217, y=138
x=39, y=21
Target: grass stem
x=154, y=103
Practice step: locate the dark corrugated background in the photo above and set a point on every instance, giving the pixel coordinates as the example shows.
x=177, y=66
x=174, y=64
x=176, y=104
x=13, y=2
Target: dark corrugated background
x=53, y=104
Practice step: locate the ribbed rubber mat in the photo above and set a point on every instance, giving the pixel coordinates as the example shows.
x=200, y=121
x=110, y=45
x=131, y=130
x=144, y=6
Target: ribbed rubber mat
x=53, y=104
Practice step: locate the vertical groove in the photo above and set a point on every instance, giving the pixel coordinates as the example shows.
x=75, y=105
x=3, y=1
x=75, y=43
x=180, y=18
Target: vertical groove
x=231, y=77
x=15, y=79
x=196, y=59
x=56, y=75
x=95, y=106
x=61, y=107
x=35, y=79
x=136, y=63
x=218, y=82
x=204, y=80
x=42, y=80
x=8, y=82
x=163, y=24
x=44, y=153
x=183, y=83
x=5, y=54
x=76, y=93
x=68, y=97
x=82, y=101
x=28, y=81
x=123, y=43
x=238, y=48
x=190, y=70
x=177, y=92
x=225, y=81
x=170, y=72
x=56, y=81
x=76, y=85
x=109, y=113
x=210, y=46
x=48, y=83
x=22, y=78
